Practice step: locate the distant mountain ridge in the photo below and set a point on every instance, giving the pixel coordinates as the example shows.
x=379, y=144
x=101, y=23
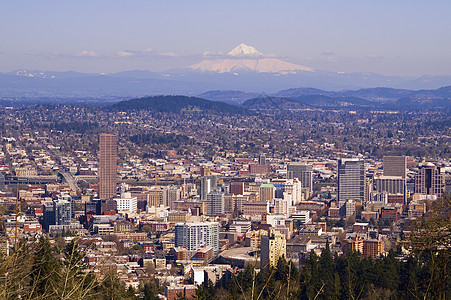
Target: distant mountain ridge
x=231, y=97
x=247, y=84
x=294, y=99
x=309, y=97
x=265, y=102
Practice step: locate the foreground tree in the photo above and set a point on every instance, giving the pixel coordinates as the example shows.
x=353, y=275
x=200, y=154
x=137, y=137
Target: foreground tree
x=431, y=243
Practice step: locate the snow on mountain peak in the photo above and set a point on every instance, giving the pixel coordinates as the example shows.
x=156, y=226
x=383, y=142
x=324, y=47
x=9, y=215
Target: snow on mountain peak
x=244, y=50
x=246, y=58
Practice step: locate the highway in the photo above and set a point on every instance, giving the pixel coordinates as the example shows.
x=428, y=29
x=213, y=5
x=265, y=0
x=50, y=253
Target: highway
x=71, y=181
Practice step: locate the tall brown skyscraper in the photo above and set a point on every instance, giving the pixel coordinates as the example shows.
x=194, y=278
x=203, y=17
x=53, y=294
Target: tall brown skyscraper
x=107, y=165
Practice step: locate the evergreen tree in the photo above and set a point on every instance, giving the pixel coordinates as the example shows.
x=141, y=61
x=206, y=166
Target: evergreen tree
x=150, y=291
x=45, y=270
x=74, y=281
x=408, y=287
x=266, y=282
x=15, y=270
x=281, y=272
x=310, y=281
x=111, y=288
x=326, y=269
x=206, y=291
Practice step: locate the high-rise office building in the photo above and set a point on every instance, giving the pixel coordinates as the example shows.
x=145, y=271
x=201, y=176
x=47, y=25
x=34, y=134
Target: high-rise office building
x=391, y=185
x=234, y=203
x=107, y=165
x=237, y=187
x=195, y=235
x=293, y=187
x=369, y=193
x=48, y=215
x=207, y=184
x=262, y=159
x=395, y=166
x=172, y=194
x=63, y=212
x=67, y=197
x=126, y=203
x=58, y=212
x=351, y=180
x=160, y=194
x=273, y=246
x=281, y=206
x=303, y=173
x=205, y=171
x=215, y=203
x=267, y=192
x=430, y=180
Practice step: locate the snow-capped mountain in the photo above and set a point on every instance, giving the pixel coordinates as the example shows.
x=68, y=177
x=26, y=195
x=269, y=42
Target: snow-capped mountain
x=244, y=50
x=247, y=58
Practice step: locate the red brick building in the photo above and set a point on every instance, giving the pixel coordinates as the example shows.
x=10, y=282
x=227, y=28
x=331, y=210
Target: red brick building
x=186, y=291
x=389, y=213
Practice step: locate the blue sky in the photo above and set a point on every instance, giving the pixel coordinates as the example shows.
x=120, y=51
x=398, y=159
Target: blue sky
x=388, y=37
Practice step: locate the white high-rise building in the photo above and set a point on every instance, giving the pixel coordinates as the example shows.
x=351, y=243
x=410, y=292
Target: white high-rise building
x=207, y=184
x=126, y=203
x=302, y=216
x=241, y=226
x=195, y=235
x=281, y=206
x=293, y=187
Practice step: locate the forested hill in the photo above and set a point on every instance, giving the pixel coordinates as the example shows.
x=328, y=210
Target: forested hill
x=176, y=104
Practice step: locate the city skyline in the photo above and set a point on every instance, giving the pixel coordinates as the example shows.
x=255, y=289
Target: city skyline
x=234, y=149
x=402, y=38
x=373, y=175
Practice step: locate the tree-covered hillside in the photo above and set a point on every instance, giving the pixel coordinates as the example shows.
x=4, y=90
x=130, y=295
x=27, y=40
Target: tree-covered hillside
x=176, y=104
